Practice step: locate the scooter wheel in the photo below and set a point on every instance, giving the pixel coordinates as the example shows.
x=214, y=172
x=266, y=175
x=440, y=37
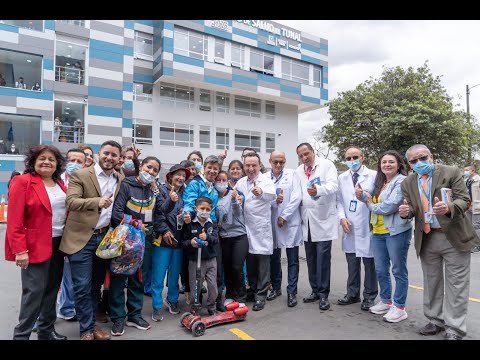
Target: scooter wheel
x=198, y=328
x=184, y=315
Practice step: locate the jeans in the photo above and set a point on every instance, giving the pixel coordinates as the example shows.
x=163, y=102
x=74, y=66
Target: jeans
x=147, y=265
x=66, y=300
x=392, y=249
x=163, y=259
x=292, y=266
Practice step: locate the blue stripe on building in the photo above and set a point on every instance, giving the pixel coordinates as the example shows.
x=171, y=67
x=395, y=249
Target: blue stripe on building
x=8, y=165
x=268, y=78
x=105, y=93
x=168, y=25
x=270, y=48
x=143, y=78
x=127, y=105
x=106, y=46
x=106, y=55
x=310, y=48
x=104, y=111
x=244, y=33
x=218, y=33
x=144, y=22
x=201, y=22
x=323, y=46
x=244, y=79
x=188, y=60
x=50, y=24
x=324, y=94
x=126, y=123
x=167, y=45
x=9, y=28
x=310, y=59
x=167, y=71
x=47, y=64
x=128, y=86
x=218, y=81
x=127, y=50
x=290, y=89
x=310, y=99
x=130, y=24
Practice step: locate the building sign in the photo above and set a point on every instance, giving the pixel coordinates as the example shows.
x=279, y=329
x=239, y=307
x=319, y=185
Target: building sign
x=280, y=37
x=219, y=24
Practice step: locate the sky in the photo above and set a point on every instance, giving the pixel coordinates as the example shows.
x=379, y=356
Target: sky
x=357, y=50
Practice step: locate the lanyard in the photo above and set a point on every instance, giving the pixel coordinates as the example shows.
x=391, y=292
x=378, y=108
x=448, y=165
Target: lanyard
x=429, y=185
x=278, y=179
x=309, y=173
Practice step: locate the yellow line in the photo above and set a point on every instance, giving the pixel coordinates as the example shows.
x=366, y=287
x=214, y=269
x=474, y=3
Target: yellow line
x=421, y=288
x=242, y=335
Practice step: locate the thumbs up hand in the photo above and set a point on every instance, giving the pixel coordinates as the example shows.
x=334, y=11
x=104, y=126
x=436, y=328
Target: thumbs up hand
x=312, y=190
x=404, y=209
x=358, y=191
x=439, y=207
x=203, y=235
x=173, y=195
x=186, y=217
x=256, y=190
x=280, y=196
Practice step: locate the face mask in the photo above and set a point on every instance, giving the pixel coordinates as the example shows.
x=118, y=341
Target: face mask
x=146, y=177
x=221, y=187
x=466, y=174
x=71, y=167
x=203, y=215
x=423, y=167
x=198, y=165
x=353, y=165
x=128, y=164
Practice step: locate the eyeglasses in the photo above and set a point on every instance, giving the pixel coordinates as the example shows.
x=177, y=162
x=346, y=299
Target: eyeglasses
x=422, y=158
x=355, y=157
x=276, y=162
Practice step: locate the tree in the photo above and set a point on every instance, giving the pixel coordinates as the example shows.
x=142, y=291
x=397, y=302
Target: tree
x=318, y=143
x=401, y=108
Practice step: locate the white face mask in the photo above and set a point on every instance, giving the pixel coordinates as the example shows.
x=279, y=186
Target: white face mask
x=221, y=187
x=146, y=177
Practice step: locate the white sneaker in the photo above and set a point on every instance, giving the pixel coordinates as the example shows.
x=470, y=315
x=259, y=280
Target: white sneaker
x=380, y=309
x=395, y=315
x=64, y=317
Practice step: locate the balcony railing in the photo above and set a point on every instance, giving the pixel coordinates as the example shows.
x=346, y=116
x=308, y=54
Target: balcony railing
x=70, y=74
x=80, y=23
x=69, y=133
x=142, y=97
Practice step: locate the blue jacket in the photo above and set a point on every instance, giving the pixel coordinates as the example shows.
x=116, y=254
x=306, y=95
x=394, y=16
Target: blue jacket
x=390, y=200
x=167, y=221
x=193, y=230
x=196, y=189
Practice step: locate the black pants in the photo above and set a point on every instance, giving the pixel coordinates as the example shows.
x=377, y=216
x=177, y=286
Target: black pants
x=319, y=256
x=234, y=252
x=370, y=283
x=258, y=268
x=40, y=284
x=218, y=251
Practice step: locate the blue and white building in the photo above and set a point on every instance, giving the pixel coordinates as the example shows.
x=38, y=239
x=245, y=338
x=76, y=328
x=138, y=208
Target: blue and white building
x=170, y=86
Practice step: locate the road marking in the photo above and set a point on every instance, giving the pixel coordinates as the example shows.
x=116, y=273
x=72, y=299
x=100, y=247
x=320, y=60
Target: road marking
x=242, y=335
x=421, y=288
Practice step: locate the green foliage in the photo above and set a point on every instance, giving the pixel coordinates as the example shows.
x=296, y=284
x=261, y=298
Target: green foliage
x=396, y=111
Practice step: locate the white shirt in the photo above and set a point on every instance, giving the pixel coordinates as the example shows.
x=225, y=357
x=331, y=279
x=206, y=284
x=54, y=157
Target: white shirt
x=65, y=178
x=57, y=201
x=107, y=187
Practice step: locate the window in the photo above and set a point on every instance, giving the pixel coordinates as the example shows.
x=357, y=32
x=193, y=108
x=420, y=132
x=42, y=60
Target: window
x=246, y=138
x=176, y=95
x=80, y=23
x=219, y=51
x=143, y=45
x=175, y=134
x=205, y=100
x=270, y=142
x=204, y=136
x=238, y=55
x=142, y=92
x=142, y=131
x=70, y=62
x=21, y=70
x=223, y=138
x=27, y=24
x=23, y=131
x=68, y=122
x=190, y=43
x=317, y=76
x=247, y=106
x=269, y=110
x=223, y=102
x=261, y=61
x=295, y=71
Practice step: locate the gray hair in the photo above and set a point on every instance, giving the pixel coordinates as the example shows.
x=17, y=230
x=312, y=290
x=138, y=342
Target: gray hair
x=415, y=147
x=211, y=159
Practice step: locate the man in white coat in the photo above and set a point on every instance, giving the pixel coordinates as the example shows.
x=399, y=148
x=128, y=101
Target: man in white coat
x=259, y=192
x=319, y=183
x=286, y=226
x=354, y=218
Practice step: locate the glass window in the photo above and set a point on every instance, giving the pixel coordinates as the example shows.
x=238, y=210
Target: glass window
x=27, y=24
x=19, y=130
x=205, y=99
x=247, y=106
x=246, y=138
x=143, y=45
x=21, y=70
x=142, y=92
x=223, y=102
x=142, y=131
x=175, y=134
x=204, y=136
x=256, y=59
x=270, y=142
x=70, y=63
x=261, y=61
x=80, y=23
x=295, y=70
x=69, y=121
x=238, y=55
x=269, y=110
x=190, y=43
x=223, y=138
x=317, y=76
x=181, y=41
x=176, y=95
x=219, y=51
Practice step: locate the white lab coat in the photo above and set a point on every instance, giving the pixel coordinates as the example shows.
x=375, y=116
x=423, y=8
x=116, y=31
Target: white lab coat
x=358, y=239
x=290, y=234
x=257, y=214
x=320, y=212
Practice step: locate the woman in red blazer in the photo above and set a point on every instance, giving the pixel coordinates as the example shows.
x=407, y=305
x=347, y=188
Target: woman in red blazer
x=35, y=222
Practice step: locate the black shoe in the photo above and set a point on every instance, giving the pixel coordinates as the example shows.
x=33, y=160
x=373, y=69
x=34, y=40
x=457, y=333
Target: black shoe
x=311, y=298
x=274, y=294
x=204, y=289
x=452, y=336
x=324, y=304
x=52, y=336
x=347, y=300
x=220, y=307
x=259, y=305
x=250, y=297
x=212, y=312
x=431, y=329
x=292, y=300
x=366, y=304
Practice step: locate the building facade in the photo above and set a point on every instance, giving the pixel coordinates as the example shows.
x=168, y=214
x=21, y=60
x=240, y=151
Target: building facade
x=169, y=86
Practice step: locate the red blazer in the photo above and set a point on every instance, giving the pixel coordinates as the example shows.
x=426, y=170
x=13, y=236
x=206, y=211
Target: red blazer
x=29, y=220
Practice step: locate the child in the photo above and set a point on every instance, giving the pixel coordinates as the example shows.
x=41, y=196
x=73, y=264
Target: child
x=204, y=229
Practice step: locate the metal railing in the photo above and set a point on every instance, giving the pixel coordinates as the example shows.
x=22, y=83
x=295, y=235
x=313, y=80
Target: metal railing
x=69, y=133
x=142, y=97
x=70, y=74
x=80, y=23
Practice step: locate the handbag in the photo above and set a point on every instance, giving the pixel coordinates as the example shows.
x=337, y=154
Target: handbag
x=112, y=243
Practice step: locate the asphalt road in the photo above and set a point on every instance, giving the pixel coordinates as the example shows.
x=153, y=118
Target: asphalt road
x=276, y=321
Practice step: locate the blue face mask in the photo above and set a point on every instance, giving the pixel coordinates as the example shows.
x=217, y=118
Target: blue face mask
x=128, y=164
x=198, y=165
x=146, y=177
x=71, y=167
x=423, y=167
x=354, y=165
x=467, y=174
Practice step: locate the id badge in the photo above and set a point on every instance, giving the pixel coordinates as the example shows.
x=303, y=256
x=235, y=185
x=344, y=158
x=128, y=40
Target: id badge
x=353, y=206
x=428, y=217
x=148, y=215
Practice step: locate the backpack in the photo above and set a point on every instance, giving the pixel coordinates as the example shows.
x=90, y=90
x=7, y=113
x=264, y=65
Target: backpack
x=133, y=249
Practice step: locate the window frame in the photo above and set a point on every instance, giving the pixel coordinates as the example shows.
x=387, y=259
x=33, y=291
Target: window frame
x=250, y=134
x=187, y=52
x=225, y=133
x=175, y=141
x=143, y=140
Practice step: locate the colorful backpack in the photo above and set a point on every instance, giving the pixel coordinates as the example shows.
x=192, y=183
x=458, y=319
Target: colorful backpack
x=133, y=249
